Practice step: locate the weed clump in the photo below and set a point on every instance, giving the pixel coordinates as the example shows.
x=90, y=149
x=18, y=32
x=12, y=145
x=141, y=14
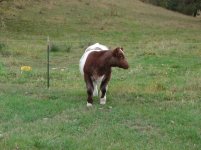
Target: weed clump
x=4, y=51
x=2, y=70
x=61, y=48
x=54, y=48
x=2, y=46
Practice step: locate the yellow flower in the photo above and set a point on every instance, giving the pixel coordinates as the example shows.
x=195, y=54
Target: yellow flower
x=25, y=68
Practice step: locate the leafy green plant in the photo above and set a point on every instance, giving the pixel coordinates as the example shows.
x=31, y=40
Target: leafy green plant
x=61, y=48
x=2, y=70
x=54, y=48
x=4, y=50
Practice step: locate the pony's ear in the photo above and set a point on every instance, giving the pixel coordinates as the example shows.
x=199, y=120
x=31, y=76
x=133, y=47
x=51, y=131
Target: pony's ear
x=122, y=48
x=115, y=52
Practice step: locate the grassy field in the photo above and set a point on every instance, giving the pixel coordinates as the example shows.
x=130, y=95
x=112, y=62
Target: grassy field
x=156, y=104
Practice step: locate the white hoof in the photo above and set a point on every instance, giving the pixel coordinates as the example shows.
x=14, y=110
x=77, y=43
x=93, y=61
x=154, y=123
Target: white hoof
x=103, y=101
x=89, y=104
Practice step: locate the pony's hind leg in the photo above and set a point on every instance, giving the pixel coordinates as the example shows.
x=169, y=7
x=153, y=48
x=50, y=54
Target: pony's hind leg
x=103, y=88
x=90, y=89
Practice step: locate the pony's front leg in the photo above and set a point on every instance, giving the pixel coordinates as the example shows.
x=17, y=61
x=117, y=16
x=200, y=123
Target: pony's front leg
x=103, y=88
x=90, y=88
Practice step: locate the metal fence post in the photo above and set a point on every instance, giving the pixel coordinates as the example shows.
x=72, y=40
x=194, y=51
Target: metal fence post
x=48, y=62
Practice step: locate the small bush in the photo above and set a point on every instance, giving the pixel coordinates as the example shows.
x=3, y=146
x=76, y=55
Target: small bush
x=2, y=70
x=4, y=51
x=61, y=48
x=2, y=46
x=54, y=48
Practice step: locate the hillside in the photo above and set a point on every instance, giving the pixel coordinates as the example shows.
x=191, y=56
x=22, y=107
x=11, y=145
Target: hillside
x=153, y=105
x=65, y=19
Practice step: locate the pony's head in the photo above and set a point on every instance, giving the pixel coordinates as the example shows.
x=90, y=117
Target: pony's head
x=118, y=58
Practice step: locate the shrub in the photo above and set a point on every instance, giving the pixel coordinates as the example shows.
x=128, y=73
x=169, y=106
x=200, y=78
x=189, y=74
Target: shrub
x=54, y=48
x=2, y=70
x=61, y=48
x=2, y=46
x=188, y=7
x=4, y=51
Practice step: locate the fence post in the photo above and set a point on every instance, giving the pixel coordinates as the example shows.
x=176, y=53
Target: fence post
x=48, y=62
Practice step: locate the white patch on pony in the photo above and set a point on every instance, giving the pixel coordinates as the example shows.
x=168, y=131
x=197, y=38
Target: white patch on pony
x=89, y=104
x=96, y=46
x=122, y=51
x=96, y=83
x=92, y=48
x=95, y=92
x=103, y=100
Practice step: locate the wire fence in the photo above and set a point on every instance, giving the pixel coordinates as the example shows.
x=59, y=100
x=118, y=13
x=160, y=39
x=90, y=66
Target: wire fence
x=82, y=41
x=39, y=52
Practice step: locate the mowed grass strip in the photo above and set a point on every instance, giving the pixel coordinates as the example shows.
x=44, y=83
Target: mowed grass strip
x=127, y=121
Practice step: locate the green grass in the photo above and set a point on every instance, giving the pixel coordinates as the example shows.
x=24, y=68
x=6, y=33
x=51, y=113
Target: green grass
x=153, y=105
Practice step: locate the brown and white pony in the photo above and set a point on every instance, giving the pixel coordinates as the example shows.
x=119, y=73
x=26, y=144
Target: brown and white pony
x=96, y=66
